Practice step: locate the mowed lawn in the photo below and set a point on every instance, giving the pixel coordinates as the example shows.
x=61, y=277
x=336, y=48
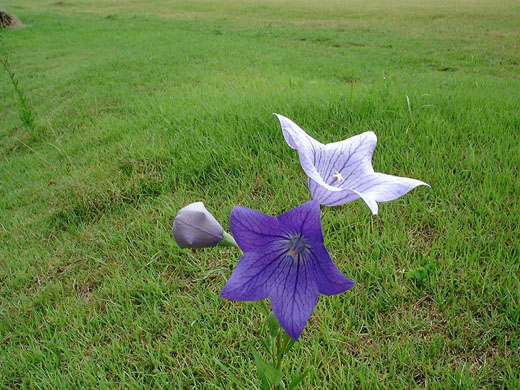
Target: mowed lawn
x=128, y=110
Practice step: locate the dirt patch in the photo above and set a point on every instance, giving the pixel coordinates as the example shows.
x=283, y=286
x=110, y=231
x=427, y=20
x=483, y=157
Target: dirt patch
x=9, y=21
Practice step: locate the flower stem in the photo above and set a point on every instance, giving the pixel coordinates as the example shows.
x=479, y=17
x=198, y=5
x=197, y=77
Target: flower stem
x=277, y=348
x=280, y=348
x=277, y=344
x=281, y=351
x=274, y=353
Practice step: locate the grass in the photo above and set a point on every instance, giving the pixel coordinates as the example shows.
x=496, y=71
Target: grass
x=135, y=109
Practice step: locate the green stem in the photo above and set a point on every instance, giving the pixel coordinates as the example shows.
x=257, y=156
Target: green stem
x=287, y=338
x=274, y=352
x=277, y=349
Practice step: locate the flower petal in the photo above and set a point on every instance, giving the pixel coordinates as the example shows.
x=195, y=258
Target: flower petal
x=293, y=296
x=252, y=276
x=327, y=197
x=336, y=198
x=293, y=133
x=373, y=188
x=311, y=152
x=384, y=188
x=351, y=158
x=253, y=230
x=290, y=270
x=305, y=219
x=329, y=279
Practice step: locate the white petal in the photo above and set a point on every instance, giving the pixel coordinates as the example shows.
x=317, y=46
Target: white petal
x=384, y=188
x=370, y=201
x=311, y=152
x=331, y=198
x=291, y=129
x=352, y=158
x=336, y=198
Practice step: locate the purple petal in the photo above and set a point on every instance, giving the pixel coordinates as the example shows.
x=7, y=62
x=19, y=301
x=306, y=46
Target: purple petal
x=329, y=279
x=253, y=230
x=195, y=227
x=305, y=219
x=285, y=260
x=251, y=277
x=293, y=296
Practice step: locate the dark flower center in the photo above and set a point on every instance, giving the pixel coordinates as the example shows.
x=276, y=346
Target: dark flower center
x=296, y=245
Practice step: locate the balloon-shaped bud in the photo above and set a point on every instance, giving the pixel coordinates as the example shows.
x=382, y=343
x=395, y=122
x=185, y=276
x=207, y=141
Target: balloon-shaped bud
x=195, y=227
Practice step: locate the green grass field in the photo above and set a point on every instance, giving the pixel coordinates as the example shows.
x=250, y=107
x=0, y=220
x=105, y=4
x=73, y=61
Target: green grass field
x=129, y=110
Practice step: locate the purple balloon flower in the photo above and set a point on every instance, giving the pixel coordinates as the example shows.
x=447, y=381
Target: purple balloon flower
x=342, y=172
x=284, y=259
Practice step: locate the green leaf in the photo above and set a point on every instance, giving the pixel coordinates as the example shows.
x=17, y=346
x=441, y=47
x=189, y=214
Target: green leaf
x=266, y=343
x=273, y=375
x=281, y=386
x=259, y=362
x=260, y=308
x=290, y=345
x=274, y=326
x=296, y=381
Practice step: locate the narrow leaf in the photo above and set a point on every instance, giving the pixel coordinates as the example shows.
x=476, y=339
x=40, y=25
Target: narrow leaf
x=259, y=362
x=290, y=345
x=273, y=375
x=274, y=326
x=285, y=343
x=266, y=343
x=260, y=308
x=296, y=381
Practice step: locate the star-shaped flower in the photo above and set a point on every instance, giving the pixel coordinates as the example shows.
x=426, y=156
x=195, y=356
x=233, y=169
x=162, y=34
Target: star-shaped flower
x=284, y=259
x=342, y=172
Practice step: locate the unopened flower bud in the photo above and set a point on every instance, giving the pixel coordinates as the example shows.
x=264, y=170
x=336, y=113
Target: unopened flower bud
x=195, y=227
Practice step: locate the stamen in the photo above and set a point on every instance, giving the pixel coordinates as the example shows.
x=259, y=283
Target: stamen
x=336, y=177
x=296, y=246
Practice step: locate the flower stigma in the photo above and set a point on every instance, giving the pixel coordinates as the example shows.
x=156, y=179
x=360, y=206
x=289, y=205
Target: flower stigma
x=296, y=245
x=337, y=178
